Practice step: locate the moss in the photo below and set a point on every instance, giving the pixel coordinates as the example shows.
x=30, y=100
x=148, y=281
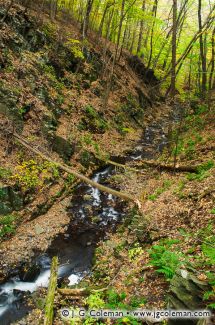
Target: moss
x=93, y=121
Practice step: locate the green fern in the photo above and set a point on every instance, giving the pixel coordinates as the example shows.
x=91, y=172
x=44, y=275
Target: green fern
x=211, y=306
x=208, y=295
x=164, y=260
x=209, y=252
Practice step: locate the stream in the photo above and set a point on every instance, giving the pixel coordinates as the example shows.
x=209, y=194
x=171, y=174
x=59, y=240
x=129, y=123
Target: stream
x=76, y=247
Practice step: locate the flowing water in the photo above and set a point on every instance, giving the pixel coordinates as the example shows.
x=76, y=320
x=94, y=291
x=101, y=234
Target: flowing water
x=74, y=248
x=93, y=213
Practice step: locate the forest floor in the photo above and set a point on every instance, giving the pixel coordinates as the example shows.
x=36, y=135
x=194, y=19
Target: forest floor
x=177, y=215
x=56, y=110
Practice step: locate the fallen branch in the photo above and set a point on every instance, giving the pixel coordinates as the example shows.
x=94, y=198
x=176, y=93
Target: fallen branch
x=110, y=162
x=49, y=307
x=122, y=195
x=79, y=292
x=155, y=164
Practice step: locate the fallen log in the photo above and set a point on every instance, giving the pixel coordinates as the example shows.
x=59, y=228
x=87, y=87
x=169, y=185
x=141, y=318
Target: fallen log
x=123, y=166
x=153, y=164
x=158, y=165
x=122, y=195
x=49, y=307
x=79, y=292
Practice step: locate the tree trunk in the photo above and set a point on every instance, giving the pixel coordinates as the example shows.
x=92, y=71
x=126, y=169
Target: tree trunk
x=122, y=195
x=86, y=21
x=140, y=38
x=212, y=60
x=154, y=14
x=202, y=53
x=174, y=40
x=211, y=84
x=49, y=307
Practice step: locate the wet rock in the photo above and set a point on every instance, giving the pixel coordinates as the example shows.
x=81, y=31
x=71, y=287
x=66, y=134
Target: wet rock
x=17, y=293
x=96, y=219
x=87, y=197
x=3, y=298
x=30, y=274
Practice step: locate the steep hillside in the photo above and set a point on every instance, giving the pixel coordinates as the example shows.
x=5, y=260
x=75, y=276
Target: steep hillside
x=59, y=94
x=52, y=93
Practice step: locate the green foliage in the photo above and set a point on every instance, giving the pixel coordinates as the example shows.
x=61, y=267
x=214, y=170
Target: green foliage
x=58, y=85
x=208, y=295
x=31, y=174
x=115, y=300
x=88, y=140
x=132, y=107
x=94, y=121
x=135, y=252
x=202, y=172
x=179, y=190
x=166, y=185
x=70, y=180
x=85, y=158
x=50, y=30
x=186, y=146
x=165, y=261
x=75, y=48
x=128, y=321
x=5, y=173
x=200, y=109
x=7, y=226
x=208, y=244
x=95, y=300
x=136, y=302
x=211, y=278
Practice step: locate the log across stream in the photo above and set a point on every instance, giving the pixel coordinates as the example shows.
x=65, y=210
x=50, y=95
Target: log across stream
x=93, y=214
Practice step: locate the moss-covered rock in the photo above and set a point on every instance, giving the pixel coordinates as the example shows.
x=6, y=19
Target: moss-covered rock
x=64, y=148
x=10, y=200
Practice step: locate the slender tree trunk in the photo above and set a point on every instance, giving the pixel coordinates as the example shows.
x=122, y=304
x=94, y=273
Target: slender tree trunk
x=212, y=60
x=202, y=53
x=206, y=25
x=133, y=39
x=154, y=14
x=211, y=84
x=110, y=78
x=174, y=48
x=86, y=21
x=140, y=38
x=107, y=7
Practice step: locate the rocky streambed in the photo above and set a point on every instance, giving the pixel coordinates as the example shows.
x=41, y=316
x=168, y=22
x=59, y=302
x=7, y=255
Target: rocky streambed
x=93, y=213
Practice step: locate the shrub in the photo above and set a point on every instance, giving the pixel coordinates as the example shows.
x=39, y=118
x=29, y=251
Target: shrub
x=5, y=173
x=202, y=171
x=75, y=48
x=31, y=174
x=7, y=226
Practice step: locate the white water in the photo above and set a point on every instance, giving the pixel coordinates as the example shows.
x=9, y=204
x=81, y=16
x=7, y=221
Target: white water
x=8, y=295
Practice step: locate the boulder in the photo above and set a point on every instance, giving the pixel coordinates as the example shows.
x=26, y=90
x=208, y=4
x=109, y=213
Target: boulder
x=186, y=292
